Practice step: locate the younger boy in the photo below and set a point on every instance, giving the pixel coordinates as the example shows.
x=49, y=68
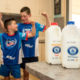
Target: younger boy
x=10, y=46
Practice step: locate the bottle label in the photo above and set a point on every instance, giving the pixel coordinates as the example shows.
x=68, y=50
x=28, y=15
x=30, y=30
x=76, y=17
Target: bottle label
x=56, y=50
x=73, y=50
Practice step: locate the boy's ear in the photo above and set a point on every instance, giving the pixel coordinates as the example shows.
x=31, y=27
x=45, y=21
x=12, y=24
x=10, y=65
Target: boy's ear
x=9, y=26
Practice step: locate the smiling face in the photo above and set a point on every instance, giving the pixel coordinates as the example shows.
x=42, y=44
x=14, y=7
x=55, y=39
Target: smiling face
x=25, y=17
x=25, y=13
x=10, y=25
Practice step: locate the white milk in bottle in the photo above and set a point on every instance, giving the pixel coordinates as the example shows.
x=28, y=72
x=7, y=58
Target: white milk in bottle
x=53, y=44
x=70, y=46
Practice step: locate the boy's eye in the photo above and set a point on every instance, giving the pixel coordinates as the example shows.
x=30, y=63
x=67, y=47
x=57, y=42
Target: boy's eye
x=22, y=16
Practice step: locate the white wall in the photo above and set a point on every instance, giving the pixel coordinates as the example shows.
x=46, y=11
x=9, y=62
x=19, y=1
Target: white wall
x=76, y=12
x=11, y=6
x=75, y=6
x=37, y=6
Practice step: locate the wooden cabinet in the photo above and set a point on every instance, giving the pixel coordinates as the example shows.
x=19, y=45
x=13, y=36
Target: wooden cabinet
x=42, y=46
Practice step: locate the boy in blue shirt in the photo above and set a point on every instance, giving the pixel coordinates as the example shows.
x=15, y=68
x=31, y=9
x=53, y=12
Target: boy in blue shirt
x=29, y=46
x=10, y=46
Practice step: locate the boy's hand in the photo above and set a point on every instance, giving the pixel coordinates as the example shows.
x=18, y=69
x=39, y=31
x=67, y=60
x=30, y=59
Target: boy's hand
x=47, y=19
x=33, y=23
x=33, y=32
x=44, y=14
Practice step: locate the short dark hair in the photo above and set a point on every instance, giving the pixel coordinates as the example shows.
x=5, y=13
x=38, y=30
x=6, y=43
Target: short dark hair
x=26, y=9
x=8, y=22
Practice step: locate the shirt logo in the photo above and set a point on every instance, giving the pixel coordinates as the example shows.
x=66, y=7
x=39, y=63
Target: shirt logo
x=10, y=57
x=28, y=45
x=11, y=43
x=26, y=30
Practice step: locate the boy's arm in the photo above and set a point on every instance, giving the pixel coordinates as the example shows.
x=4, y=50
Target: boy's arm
x=1, y=22
x=47, y=19
x=33, y=32
x=25, y=36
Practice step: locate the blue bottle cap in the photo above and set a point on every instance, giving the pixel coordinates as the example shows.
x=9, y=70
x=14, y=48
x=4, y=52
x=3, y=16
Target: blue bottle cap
x=70, y=22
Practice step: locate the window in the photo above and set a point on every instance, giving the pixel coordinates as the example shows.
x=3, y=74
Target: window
x=76, y=19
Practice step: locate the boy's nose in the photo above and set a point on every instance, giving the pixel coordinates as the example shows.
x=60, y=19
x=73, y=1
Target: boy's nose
x=22, y=18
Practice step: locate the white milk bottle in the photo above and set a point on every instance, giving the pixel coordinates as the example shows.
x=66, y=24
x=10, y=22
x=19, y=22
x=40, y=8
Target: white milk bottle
x=53, y=44
x=70, y=46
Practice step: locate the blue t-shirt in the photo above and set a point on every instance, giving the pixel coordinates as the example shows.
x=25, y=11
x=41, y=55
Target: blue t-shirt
x=10, y=46
x=29, y=45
